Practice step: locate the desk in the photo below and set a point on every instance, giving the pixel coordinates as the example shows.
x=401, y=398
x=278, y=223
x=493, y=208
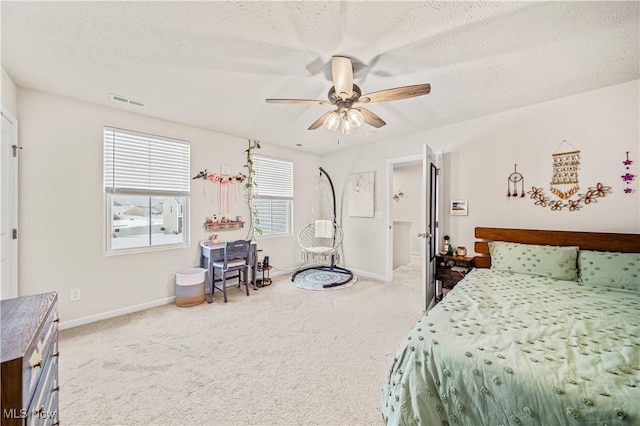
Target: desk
x=214, y=252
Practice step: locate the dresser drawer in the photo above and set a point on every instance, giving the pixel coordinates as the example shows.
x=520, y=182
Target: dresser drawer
x=35, y=357
x=44, y=405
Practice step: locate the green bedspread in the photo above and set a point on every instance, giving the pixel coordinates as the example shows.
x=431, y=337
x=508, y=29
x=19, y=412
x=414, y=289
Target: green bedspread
x=511, y=349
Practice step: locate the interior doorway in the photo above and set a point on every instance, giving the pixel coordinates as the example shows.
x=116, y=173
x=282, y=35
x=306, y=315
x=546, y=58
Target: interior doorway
x=406, y=213
x=413, y=194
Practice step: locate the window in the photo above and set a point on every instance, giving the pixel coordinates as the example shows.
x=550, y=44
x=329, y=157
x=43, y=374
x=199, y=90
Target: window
x=273, y=194
x=146, y=185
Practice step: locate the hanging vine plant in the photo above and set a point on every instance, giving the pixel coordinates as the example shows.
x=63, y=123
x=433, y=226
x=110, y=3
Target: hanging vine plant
x=254, y=224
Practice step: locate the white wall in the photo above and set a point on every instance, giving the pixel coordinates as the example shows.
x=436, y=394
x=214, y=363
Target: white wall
x=61, y=206
x=9, y=94
x=480, y=154
x=61, y=187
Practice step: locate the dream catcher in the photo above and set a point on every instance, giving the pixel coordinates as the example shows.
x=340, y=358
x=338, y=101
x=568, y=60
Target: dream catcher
x=513, y=180
x=566, y=164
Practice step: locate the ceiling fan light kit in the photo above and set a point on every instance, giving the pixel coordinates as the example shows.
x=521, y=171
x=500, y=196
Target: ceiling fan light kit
x=354, y=117
x=347, y=128
x=347, y=119
x=332, y=121
x=344, y=94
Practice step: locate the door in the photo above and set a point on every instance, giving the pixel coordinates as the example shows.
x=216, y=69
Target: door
x=9, y=207
x=430, y=209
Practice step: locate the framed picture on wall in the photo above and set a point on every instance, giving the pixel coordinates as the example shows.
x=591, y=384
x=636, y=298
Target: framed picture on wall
x=360, y=192
x=459, y=208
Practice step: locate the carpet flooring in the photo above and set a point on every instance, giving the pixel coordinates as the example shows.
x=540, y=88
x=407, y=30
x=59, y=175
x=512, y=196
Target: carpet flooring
x=281, y=356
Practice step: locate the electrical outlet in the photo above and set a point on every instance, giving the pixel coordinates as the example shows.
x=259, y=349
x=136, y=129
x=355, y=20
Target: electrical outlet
x=74, y=295
x=225, y=171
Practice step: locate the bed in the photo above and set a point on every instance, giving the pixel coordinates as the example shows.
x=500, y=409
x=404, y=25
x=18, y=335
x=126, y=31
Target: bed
x=545, y=330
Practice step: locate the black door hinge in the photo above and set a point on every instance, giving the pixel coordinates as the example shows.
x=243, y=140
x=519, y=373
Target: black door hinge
x=15, y=234
x=15, y=149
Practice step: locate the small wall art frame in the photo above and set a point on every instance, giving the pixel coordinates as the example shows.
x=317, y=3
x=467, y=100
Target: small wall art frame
x=360, y=189
x=459, y=208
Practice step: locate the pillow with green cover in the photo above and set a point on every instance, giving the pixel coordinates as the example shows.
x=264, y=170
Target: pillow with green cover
x=548, y=261
x=610, y=269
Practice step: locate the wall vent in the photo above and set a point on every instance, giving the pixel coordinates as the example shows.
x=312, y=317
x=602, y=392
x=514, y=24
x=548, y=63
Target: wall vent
x=125, y=100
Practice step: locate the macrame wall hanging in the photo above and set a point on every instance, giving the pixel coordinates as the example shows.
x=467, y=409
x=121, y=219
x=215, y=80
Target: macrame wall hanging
x=564, y=182
x=566, y=164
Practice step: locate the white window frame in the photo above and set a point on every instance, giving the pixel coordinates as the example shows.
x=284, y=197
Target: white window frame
x=273, y=181
x=159, y=169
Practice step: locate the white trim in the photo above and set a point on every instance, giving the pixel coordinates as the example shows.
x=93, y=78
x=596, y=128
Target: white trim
x=115, y=313
x=9, y=200
x=370, y=275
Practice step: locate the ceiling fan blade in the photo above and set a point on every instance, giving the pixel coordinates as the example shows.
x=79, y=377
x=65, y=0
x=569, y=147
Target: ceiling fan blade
x=371, y=118
x=342, y=72
x=298, y=101
x=396, y=93
x=319, y=121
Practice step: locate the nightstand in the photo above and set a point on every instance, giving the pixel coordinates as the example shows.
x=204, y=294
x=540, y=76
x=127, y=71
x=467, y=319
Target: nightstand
x=451, y=269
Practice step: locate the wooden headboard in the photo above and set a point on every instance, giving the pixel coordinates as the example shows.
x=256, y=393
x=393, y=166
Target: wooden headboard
x=601, y=241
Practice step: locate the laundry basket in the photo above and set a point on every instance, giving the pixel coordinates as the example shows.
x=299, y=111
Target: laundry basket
x=190, y=285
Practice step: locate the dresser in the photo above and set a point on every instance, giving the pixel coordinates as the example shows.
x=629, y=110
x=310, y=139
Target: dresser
x=29, y=380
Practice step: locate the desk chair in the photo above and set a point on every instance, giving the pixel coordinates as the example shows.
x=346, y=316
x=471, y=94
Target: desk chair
x=235, y=259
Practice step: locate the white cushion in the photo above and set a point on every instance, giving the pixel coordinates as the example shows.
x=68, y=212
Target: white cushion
x=230, y=264
x=324, y=229
x=319, y=249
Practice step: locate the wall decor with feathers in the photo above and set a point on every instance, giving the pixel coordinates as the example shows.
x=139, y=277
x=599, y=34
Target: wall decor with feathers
x=513, y=180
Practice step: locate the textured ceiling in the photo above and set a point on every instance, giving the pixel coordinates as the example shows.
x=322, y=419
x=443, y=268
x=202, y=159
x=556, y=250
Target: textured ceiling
x=212, y=64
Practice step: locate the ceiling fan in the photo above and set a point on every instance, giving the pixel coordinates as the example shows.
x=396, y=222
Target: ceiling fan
x=345, y=94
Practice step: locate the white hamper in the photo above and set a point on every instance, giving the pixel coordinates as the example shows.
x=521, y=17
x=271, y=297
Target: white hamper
x=190, y=286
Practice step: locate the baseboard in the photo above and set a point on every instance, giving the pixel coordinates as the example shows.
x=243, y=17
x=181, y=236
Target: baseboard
x=368, y=275
x=115, y=313
x=276, y=273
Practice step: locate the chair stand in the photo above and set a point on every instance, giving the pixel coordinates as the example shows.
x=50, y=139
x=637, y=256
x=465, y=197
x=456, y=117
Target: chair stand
x=223, y=281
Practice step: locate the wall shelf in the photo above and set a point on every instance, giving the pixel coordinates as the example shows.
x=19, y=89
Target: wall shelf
x=218, y=226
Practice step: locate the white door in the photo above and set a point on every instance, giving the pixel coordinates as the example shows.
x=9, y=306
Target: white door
x=430, y=206
x=9, y=207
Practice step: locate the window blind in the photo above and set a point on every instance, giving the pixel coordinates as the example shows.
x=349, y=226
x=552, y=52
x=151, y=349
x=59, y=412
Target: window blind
x=273, y=178
x=273, y=194
x=138, y=163
x=273, y=216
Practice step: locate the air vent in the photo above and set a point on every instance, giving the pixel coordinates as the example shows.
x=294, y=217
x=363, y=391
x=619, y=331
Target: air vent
x=124, y=100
